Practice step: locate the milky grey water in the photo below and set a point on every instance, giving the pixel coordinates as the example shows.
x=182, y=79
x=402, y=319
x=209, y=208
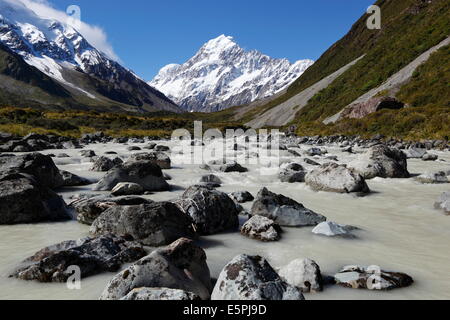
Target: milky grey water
x=401, y=231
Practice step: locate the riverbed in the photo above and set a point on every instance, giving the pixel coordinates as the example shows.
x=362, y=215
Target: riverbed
x=400, y=229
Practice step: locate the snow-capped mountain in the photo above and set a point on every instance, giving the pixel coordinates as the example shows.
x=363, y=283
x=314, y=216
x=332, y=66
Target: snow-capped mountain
x=222, y=75
x=62, y=53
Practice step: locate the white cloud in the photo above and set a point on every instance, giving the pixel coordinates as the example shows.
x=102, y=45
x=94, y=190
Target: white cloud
x=95, y=35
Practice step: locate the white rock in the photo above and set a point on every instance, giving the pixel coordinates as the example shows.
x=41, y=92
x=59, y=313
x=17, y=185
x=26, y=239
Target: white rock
x=332, y=229
x=303, y=274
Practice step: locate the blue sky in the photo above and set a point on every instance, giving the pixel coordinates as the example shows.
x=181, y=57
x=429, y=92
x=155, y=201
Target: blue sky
x=148, y=34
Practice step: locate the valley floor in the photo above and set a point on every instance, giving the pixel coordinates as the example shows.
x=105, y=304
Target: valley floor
x=400, y=230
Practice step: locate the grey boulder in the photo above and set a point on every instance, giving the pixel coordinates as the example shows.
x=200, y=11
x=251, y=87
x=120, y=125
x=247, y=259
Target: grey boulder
x=333, y=177
x=261, y=228
x=159, y=158
x=252, y=278
x=155, y=224
x=372, y=278
x=433, y=177
x=127, y=189
x=148, y=175
x=211, y=211
x=104, y=164
x=181, y=265
x=92, y=255
x=160, y=294
x=303, y=274
x=284, y=211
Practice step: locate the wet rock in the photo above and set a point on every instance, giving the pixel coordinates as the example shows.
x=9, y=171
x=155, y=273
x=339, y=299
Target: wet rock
x=25, y=200
x=162, y=148
x=311, y=162
x=303, y=274
x=415, y=152
x=233, y=167
x=146, y=174
x=72, y=180
x=429, y=157
x=104, y=164
x=87, y=153
x=92, y=255
x=261, y=228
x=160, y=294
x=252, y=278
x=314, y=152
x=40, y=166
x=159, y=158
x=134, y=148
x=292, y=173
x=372, y=278
x=181, y=265
x=333, y=177
x=383, y=162
x=127, y=189
x=155, y=224
x=90, y=208
x=443, y=203
x=211, y=180
x=332, y=229
x=433, y=177
x=212, y=211
x=283, y=210
x=241, y=196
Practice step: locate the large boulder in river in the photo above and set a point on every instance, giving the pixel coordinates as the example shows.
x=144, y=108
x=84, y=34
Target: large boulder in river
x=283, y=210
x=303, y=274
x=443, y=203
x=332, y=177
x=159, y=158
x=381, y=161
x=155, y=224
x=261, y=228
x=181, y=265
x=40, y=166
x=292, y=173
x=25, y=200
x=433, y=177
x=91, y=255
x=372, y=278
x=104, y=164
x=72, y=180
x=89, y=209
x=232, y=167
x=146, y=174
x=212, y=211
x=160, y=294
x=252, y=278
x=127, y=189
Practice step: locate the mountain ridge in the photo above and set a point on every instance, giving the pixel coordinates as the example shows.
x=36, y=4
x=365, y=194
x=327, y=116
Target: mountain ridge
x=222, y=74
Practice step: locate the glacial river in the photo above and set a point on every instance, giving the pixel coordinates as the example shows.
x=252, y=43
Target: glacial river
x=400, y=231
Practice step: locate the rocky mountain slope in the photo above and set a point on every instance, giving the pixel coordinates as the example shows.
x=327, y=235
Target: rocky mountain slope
x=222, y=75
x=408, y=60
x=61, y=53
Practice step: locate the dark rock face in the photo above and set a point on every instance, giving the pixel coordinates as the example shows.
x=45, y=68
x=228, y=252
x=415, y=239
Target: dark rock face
x=292, y=173
x=332, y=177
x=242, y=196
x=24, y=200
x=91, y=208
x=212, y=211
x=72, y=180
x=104, y=164
x=361, y=110
x=211, y=180
x=92, y=255
x=160, y=294
x=148, y=175
x=233, y=167
x=155, y=224
x=372, y=278
x=181, y=265
x=284, y=211
x=381, y=161
x=159, y=158
x=41, y=167
x=252, y=278
x=261, y=228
